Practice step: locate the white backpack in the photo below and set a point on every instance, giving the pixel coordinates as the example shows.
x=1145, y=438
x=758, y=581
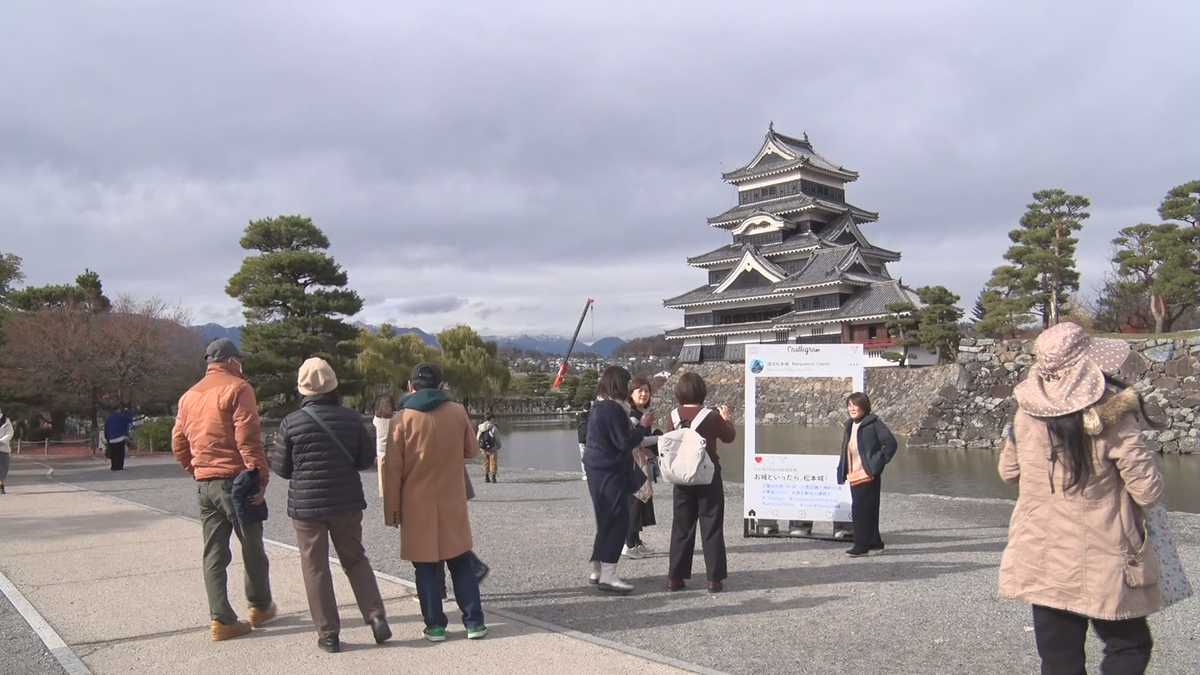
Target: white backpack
x=683, y=454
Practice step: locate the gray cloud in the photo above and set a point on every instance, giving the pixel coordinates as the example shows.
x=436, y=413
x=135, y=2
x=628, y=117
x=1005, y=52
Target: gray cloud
x=438, y=304
x=527, y=156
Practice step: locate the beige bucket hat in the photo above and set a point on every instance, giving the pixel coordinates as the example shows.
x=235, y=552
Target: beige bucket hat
x=1068, y=375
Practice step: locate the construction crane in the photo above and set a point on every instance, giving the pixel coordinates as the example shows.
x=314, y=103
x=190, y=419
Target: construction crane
x=562, y=370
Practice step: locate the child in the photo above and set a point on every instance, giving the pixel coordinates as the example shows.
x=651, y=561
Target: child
x=488, y=436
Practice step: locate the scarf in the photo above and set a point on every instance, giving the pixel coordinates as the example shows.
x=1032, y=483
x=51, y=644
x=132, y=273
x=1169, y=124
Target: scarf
x=424, y=400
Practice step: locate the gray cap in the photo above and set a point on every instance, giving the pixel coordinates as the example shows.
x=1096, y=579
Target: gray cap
x=221, y=349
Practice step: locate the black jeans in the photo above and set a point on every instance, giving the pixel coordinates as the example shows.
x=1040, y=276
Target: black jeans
x=864, y=514
x=116, y=453
x=1061, y=637
x=703, y=505
x=610, y=502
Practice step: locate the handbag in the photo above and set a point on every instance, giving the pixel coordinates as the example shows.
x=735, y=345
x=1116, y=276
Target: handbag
x=337, y=441
x=1173, y=584
x=859, y=477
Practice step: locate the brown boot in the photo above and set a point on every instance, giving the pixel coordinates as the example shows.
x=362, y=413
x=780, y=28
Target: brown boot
x=225, y=631
x=262, y=617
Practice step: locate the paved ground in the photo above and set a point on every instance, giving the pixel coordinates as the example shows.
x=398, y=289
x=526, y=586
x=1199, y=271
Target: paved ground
x=21, y=650
x=792, y=606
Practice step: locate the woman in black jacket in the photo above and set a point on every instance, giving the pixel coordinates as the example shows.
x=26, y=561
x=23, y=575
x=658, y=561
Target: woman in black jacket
x=322, y=448
x=612, y=475
x=867, y=446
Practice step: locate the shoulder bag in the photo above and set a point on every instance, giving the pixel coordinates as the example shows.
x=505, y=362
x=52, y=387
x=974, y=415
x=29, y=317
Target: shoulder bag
x=337, y=441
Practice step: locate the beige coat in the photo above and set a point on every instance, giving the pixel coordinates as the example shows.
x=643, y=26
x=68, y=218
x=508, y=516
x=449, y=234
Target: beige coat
x=1080, y=552
x=423, y=487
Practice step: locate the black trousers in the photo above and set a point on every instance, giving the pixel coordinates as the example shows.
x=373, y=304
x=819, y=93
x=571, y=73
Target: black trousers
x=702, y=505
x=610, y=502
x=1061, y=637
x=864, y=514
x=641, y=514
x=116, y=453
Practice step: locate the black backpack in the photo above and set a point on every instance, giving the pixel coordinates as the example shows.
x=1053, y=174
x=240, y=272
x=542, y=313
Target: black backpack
x=487, y=440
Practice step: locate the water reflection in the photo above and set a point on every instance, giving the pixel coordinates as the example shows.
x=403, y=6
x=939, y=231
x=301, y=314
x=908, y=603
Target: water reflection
x=942, y=471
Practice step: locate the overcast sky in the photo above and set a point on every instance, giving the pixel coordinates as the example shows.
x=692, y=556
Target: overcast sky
x=496, y=163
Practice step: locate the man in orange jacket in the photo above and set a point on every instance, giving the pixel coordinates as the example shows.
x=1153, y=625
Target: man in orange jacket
x=220, y=403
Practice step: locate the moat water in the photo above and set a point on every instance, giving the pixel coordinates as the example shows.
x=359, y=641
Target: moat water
x=952, y=472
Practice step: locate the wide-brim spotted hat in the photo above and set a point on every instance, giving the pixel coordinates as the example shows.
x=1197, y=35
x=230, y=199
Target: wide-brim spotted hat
x=1068, y=375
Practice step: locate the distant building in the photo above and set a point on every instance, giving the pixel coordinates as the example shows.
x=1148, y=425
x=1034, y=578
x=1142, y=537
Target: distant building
x=799, y=270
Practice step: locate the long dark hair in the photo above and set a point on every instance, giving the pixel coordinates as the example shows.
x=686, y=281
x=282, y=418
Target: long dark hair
x=1068, y=439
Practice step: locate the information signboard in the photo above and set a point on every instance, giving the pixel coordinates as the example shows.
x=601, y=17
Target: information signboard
x=794, y=485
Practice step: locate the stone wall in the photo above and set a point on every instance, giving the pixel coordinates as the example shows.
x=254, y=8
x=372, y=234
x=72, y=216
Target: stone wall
x=965, y=404
x=899, y=395
x=973, y=412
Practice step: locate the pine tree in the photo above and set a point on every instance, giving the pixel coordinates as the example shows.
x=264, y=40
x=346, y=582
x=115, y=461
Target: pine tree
x=938, y=330
x=292, y=292
x=1043, y=251
x=903, y=323
x=1007, y=303
x=979, y=312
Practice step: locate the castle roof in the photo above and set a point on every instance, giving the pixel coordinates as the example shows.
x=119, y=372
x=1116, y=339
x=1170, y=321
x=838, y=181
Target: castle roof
x=781, y=153
x=869, y=302
x=791, y=204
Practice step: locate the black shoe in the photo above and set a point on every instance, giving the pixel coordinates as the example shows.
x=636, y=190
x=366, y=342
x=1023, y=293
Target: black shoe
x=715, y=587
x=379, y=627
x=481, y=571
x=494, y=479
x=487, y=478
x=2, y=492
x=857, y=552
x=330, y=644
x=876, y=550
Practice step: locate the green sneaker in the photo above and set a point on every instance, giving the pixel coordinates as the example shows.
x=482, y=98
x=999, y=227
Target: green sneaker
x=435, y=634
x=476, y=632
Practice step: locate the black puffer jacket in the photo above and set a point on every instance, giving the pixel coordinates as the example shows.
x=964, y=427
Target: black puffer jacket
x=324, y=481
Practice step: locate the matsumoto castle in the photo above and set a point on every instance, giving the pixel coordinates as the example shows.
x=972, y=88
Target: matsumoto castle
x=799, y=270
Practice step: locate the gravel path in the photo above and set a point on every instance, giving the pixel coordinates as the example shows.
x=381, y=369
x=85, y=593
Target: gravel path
x=928, y=606
x=21, y=650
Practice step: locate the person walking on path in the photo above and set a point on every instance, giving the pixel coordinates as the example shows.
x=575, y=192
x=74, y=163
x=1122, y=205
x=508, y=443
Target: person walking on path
x=612, y=475
x=1077, y=544
x=425, y=495
x=581, y=423
x=867, y=447
x=641, y=513
x=117, y=426
x=322, y=448
x=6, y=436
x=488, y=437
x=702, y=505
x=385, y=407
x=217, y=435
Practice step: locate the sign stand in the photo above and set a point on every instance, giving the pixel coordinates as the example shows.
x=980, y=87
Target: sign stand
x=794, y=487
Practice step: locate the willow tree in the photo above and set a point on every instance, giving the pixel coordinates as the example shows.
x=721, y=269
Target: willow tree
x=471, y=367
x=386, y=360
x=294, y=295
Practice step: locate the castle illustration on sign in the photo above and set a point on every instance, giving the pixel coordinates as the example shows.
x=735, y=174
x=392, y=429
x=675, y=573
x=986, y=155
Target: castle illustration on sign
x=799, y=269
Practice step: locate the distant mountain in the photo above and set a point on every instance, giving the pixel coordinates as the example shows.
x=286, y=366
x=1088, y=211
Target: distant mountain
x=546, y=344
x=211, y=331
x=556, y=345
x=403, y=330
x=655, y=345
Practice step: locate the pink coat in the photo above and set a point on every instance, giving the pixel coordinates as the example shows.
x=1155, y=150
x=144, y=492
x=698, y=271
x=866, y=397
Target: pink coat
x=1083, y=551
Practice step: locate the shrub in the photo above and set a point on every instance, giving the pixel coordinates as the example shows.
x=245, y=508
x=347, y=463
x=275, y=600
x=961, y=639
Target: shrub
x=154, y=434
x=894, y=357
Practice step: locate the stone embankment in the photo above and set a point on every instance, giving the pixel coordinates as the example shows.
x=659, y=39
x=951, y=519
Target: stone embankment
x=967, y=403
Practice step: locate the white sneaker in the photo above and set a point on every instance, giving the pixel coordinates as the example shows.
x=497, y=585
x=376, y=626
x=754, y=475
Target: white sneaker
x=646, y=550
x=594, y=577
x=633, y=553
x=610, y=582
